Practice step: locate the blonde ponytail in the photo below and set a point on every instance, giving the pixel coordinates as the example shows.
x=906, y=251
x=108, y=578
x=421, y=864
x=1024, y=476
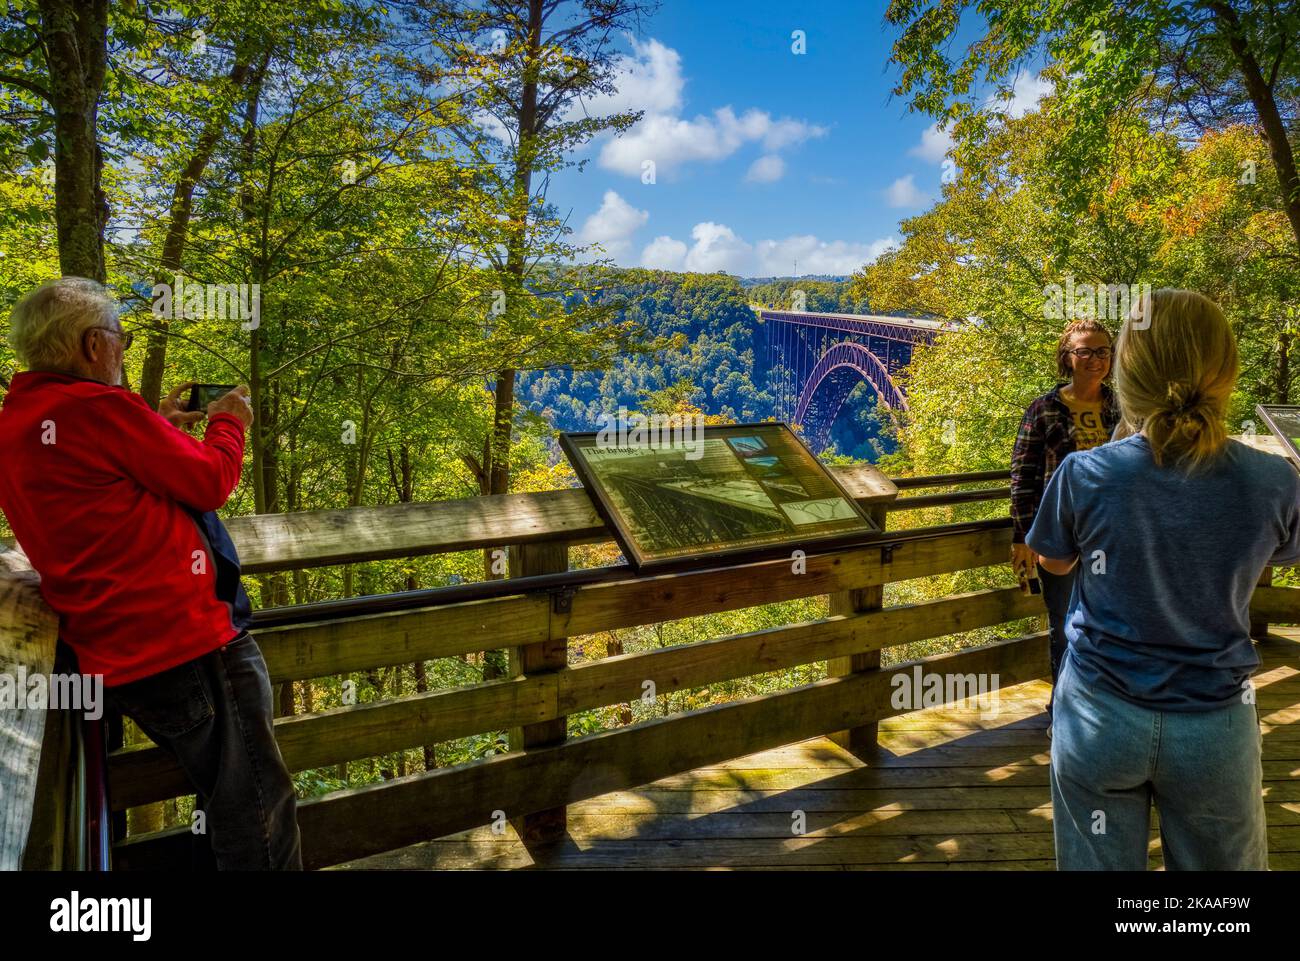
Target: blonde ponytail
x=1175, y=367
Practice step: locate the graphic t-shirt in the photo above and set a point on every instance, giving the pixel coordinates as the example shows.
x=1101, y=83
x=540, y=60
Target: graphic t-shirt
x=1088, y=429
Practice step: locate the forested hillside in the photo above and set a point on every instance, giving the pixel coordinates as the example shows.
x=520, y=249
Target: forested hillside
x=715, y=347
x=715, y=354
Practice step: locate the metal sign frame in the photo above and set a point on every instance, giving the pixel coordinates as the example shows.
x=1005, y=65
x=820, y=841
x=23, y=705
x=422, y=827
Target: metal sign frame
x=574, y=445
x=1268, y=413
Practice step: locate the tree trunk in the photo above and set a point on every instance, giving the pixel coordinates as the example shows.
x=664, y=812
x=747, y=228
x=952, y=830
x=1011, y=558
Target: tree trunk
x=1282, y=371
x=402, y=474
x=517, y=243
x=75, y=37
x=422, y=686
x=263, y=494
x=1265, y=103
x=502, y=423
x=496, y=663
x=155, y=358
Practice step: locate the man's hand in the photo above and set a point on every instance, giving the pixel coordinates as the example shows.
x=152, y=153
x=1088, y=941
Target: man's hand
x=1023, y=559
x=175, y=412
x=236, y=402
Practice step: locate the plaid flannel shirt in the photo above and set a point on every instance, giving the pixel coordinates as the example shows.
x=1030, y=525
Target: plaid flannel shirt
x=1046, y=435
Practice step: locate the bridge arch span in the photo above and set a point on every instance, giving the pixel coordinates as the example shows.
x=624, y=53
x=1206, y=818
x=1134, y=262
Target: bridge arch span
x=849, y=357
x=819, y=358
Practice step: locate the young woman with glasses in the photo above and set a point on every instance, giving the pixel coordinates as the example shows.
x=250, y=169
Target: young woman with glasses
x=1076, y=415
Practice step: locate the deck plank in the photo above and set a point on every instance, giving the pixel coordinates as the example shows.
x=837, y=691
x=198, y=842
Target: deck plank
x=952, y=788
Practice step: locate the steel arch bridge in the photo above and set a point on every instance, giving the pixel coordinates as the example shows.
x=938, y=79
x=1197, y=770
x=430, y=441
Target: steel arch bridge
x=817, y=359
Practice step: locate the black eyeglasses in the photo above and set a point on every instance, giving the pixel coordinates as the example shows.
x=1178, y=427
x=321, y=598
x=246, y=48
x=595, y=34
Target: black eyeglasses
x=1087, y=353
x=128, y=336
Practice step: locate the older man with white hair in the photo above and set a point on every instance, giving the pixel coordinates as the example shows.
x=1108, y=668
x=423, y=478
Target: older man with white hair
x=114, y=506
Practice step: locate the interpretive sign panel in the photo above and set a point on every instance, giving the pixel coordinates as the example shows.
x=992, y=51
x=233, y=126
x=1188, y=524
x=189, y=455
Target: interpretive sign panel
x=700, y=493
x=1284, y=422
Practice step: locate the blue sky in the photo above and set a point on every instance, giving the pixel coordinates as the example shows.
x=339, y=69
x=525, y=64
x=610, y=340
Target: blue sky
x=763, y=157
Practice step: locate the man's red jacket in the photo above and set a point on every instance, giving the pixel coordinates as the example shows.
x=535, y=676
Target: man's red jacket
x=92, y=482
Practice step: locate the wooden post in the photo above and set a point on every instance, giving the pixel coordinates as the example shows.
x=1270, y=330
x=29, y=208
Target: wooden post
x=871, y=486
x=549, y=826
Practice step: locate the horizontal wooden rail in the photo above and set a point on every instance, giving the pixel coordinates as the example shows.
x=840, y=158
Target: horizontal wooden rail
x=565, y=581
x=920, y=501
x=382, y=640
x=335, y=647
x=367, y=820
x=275, y=542
x=947, y=480
x=144, y=774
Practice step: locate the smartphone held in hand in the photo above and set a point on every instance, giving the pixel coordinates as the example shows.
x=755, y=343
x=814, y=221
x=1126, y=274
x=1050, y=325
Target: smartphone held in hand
x=203, y=394
x=1027, y=575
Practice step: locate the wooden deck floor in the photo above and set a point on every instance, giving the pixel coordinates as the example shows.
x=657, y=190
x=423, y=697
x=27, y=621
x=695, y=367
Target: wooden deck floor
x=951, y=790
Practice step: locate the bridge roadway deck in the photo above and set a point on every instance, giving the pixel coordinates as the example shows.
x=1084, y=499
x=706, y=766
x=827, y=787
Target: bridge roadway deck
x=950, y=790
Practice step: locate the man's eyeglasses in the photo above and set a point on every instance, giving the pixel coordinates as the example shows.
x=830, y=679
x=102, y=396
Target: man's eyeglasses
x=1087, y=353
x=127, y=335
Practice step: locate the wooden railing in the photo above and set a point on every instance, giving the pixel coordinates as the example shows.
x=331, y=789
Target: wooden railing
x=28, y=638
x=544, y=770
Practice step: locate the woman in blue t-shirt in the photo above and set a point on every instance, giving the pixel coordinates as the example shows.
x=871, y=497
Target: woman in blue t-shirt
x=1171, y=528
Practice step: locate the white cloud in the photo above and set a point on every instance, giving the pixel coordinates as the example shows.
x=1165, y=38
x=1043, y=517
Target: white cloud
x=664, y=253
x=934, y=145
x=813, y=256
x=785, y=132
x=903, y=192
x=766, y=169
x=672, y=142
x=717, y=247
x=1026, y=91
x=668, y=141
x=648, y=79
x=612, y=226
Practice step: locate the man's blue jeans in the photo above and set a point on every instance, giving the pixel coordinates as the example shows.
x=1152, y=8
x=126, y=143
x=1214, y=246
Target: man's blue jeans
x=1057, y=589
x=1112, y=759
x=214, y=714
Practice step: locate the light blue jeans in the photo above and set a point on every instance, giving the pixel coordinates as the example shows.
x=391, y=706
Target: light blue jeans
x=1112, y=759
x=1057, y=589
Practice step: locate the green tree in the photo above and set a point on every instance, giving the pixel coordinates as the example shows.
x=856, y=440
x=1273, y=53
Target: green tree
x=53, y=68
x=1194, y=66
x=529, y=67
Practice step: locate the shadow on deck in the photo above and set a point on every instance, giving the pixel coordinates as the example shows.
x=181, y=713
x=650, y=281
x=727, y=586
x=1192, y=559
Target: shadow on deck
x=951, y=789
